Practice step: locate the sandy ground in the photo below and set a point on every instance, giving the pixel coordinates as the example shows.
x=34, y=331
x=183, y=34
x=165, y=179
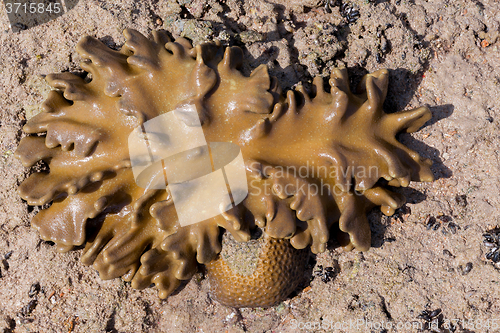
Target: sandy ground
x=442, y=53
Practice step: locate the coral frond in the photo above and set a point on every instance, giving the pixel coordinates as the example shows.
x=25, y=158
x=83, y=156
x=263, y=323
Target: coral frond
x=248, y=94
x=375, y=86
x=55, y=101
x=73, y=87
x=64, y=221
x=408, y=121
x=144, y=53
x=42, y=187
x=339, y=81
x=32, y=149
x=101, y=60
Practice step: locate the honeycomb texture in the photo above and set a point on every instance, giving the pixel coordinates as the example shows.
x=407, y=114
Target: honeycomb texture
x=279, y=271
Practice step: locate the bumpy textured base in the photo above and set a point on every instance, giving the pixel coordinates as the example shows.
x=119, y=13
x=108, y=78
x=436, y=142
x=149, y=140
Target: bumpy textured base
x=278, y=272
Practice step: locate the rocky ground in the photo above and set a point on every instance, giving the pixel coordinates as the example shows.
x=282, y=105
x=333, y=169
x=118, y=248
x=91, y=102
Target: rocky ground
x=429, y=257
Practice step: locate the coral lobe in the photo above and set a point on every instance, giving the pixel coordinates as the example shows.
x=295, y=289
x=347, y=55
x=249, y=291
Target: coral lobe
x=133, y=232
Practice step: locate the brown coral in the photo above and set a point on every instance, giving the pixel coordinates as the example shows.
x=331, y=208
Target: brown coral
x=133, y=232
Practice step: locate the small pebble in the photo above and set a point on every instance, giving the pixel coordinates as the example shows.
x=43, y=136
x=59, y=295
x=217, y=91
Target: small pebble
x=448, y=253
x=430, y=222
x=467, y=269
x=34, y=290
x=489, y=238
x=461, y=200
x=28, y=308
x=435, y=313
x=288, y=27
x=384, y=45
x=492, y=242
x=326, y=274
